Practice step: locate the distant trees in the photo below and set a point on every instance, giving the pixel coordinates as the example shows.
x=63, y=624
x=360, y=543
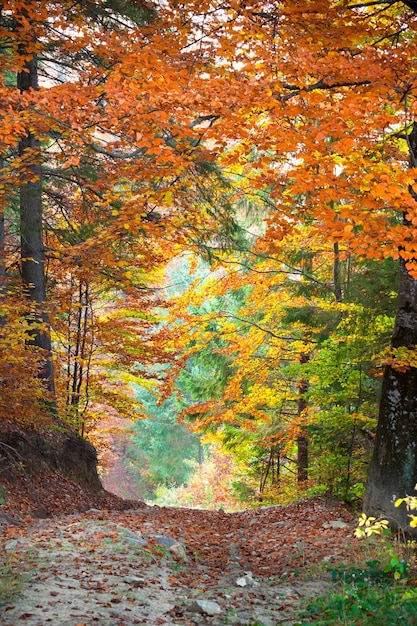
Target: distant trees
x=280, y=373
x=162, y=452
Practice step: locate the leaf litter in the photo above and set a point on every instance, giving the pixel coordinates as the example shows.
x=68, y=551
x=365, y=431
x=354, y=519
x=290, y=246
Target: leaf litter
x=154, y=565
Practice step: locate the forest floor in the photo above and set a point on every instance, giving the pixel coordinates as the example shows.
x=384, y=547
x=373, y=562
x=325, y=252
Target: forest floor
x=153, y=565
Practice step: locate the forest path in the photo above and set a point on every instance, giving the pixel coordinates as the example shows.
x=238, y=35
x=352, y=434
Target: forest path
x=172, y=566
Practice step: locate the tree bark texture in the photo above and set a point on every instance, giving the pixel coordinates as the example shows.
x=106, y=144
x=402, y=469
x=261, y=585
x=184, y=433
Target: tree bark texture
x=31, y=233
x=393, y=469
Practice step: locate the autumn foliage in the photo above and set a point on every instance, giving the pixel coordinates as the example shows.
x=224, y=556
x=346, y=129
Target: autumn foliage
x=276, y=141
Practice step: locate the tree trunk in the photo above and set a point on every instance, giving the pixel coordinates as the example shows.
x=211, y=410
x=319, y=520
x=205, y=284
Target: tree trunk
x=31, y=233
x=302, y=439
x=200, y=453
x=393, y=469
x=337, y=274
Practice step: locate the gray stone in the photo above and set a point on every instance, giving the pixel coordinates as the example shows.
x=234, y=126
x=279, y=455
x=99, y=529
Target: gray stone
x=137, y=540
x=14, y=543
x=335, y=524
x=163, y=540
x=135, y=581
x=287, y=592
x=205, y=606
x=266, y=621
x=179, y=550
x=247, y=581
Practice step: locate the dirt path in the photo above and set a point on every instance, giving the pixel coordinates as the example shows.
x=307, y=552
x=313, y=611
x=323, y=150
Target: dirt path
x=172, y=566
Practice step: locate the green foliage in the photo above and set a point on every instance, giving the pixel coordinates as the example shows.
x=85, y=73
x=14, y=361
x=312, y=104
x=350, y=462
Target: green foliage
x=208, y=487
x=374, y=284
x=162, y=451
x=340, y=448
x=205, y=376
x=372, y=595
x=337, y=384
x=344, y=390
x=109, y=13
x=367, y=596
x=244, y=491
x=374, y=572
x=368, y=606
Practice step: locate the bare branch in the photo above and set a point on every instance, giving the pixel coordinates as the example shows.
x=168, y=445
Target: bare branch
x=411, y=4
x=116, y=155
x=320, y=84
x=258, y=326
x=361, y=5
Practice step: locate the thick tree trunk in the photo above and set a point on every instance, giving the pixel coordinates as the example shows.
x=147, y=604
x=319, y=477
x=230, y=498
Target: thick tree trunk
x=32, y=248
x=393, y=469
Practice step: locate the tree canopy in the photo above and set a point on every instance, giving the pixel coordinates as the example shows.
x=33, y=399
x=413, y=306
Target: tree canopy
x=275, y=140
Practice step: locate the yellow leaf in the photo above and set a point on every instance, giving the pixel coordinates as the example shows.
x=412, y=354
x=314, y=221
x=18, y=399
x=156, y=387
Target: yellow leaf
x=168, y=198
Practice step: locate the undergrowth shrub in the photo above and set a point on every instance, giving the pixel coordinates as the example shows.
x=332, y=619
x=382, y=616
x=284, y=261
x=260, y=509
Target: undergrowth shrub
x=379, y=593
x=361, y=599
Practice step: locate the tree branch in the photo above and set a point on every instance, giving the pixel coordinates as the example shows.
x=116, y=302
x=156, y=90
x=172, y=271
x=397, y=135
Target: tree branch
x=411, y=4
x=258, y=326
x=320, y=84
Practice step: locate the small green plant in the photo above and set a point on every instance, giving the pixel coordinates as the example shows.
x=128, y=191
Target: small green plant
x=363, y=604
x=374, y=572
x=370, y=596
x=397, y=567
x=375, y=594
